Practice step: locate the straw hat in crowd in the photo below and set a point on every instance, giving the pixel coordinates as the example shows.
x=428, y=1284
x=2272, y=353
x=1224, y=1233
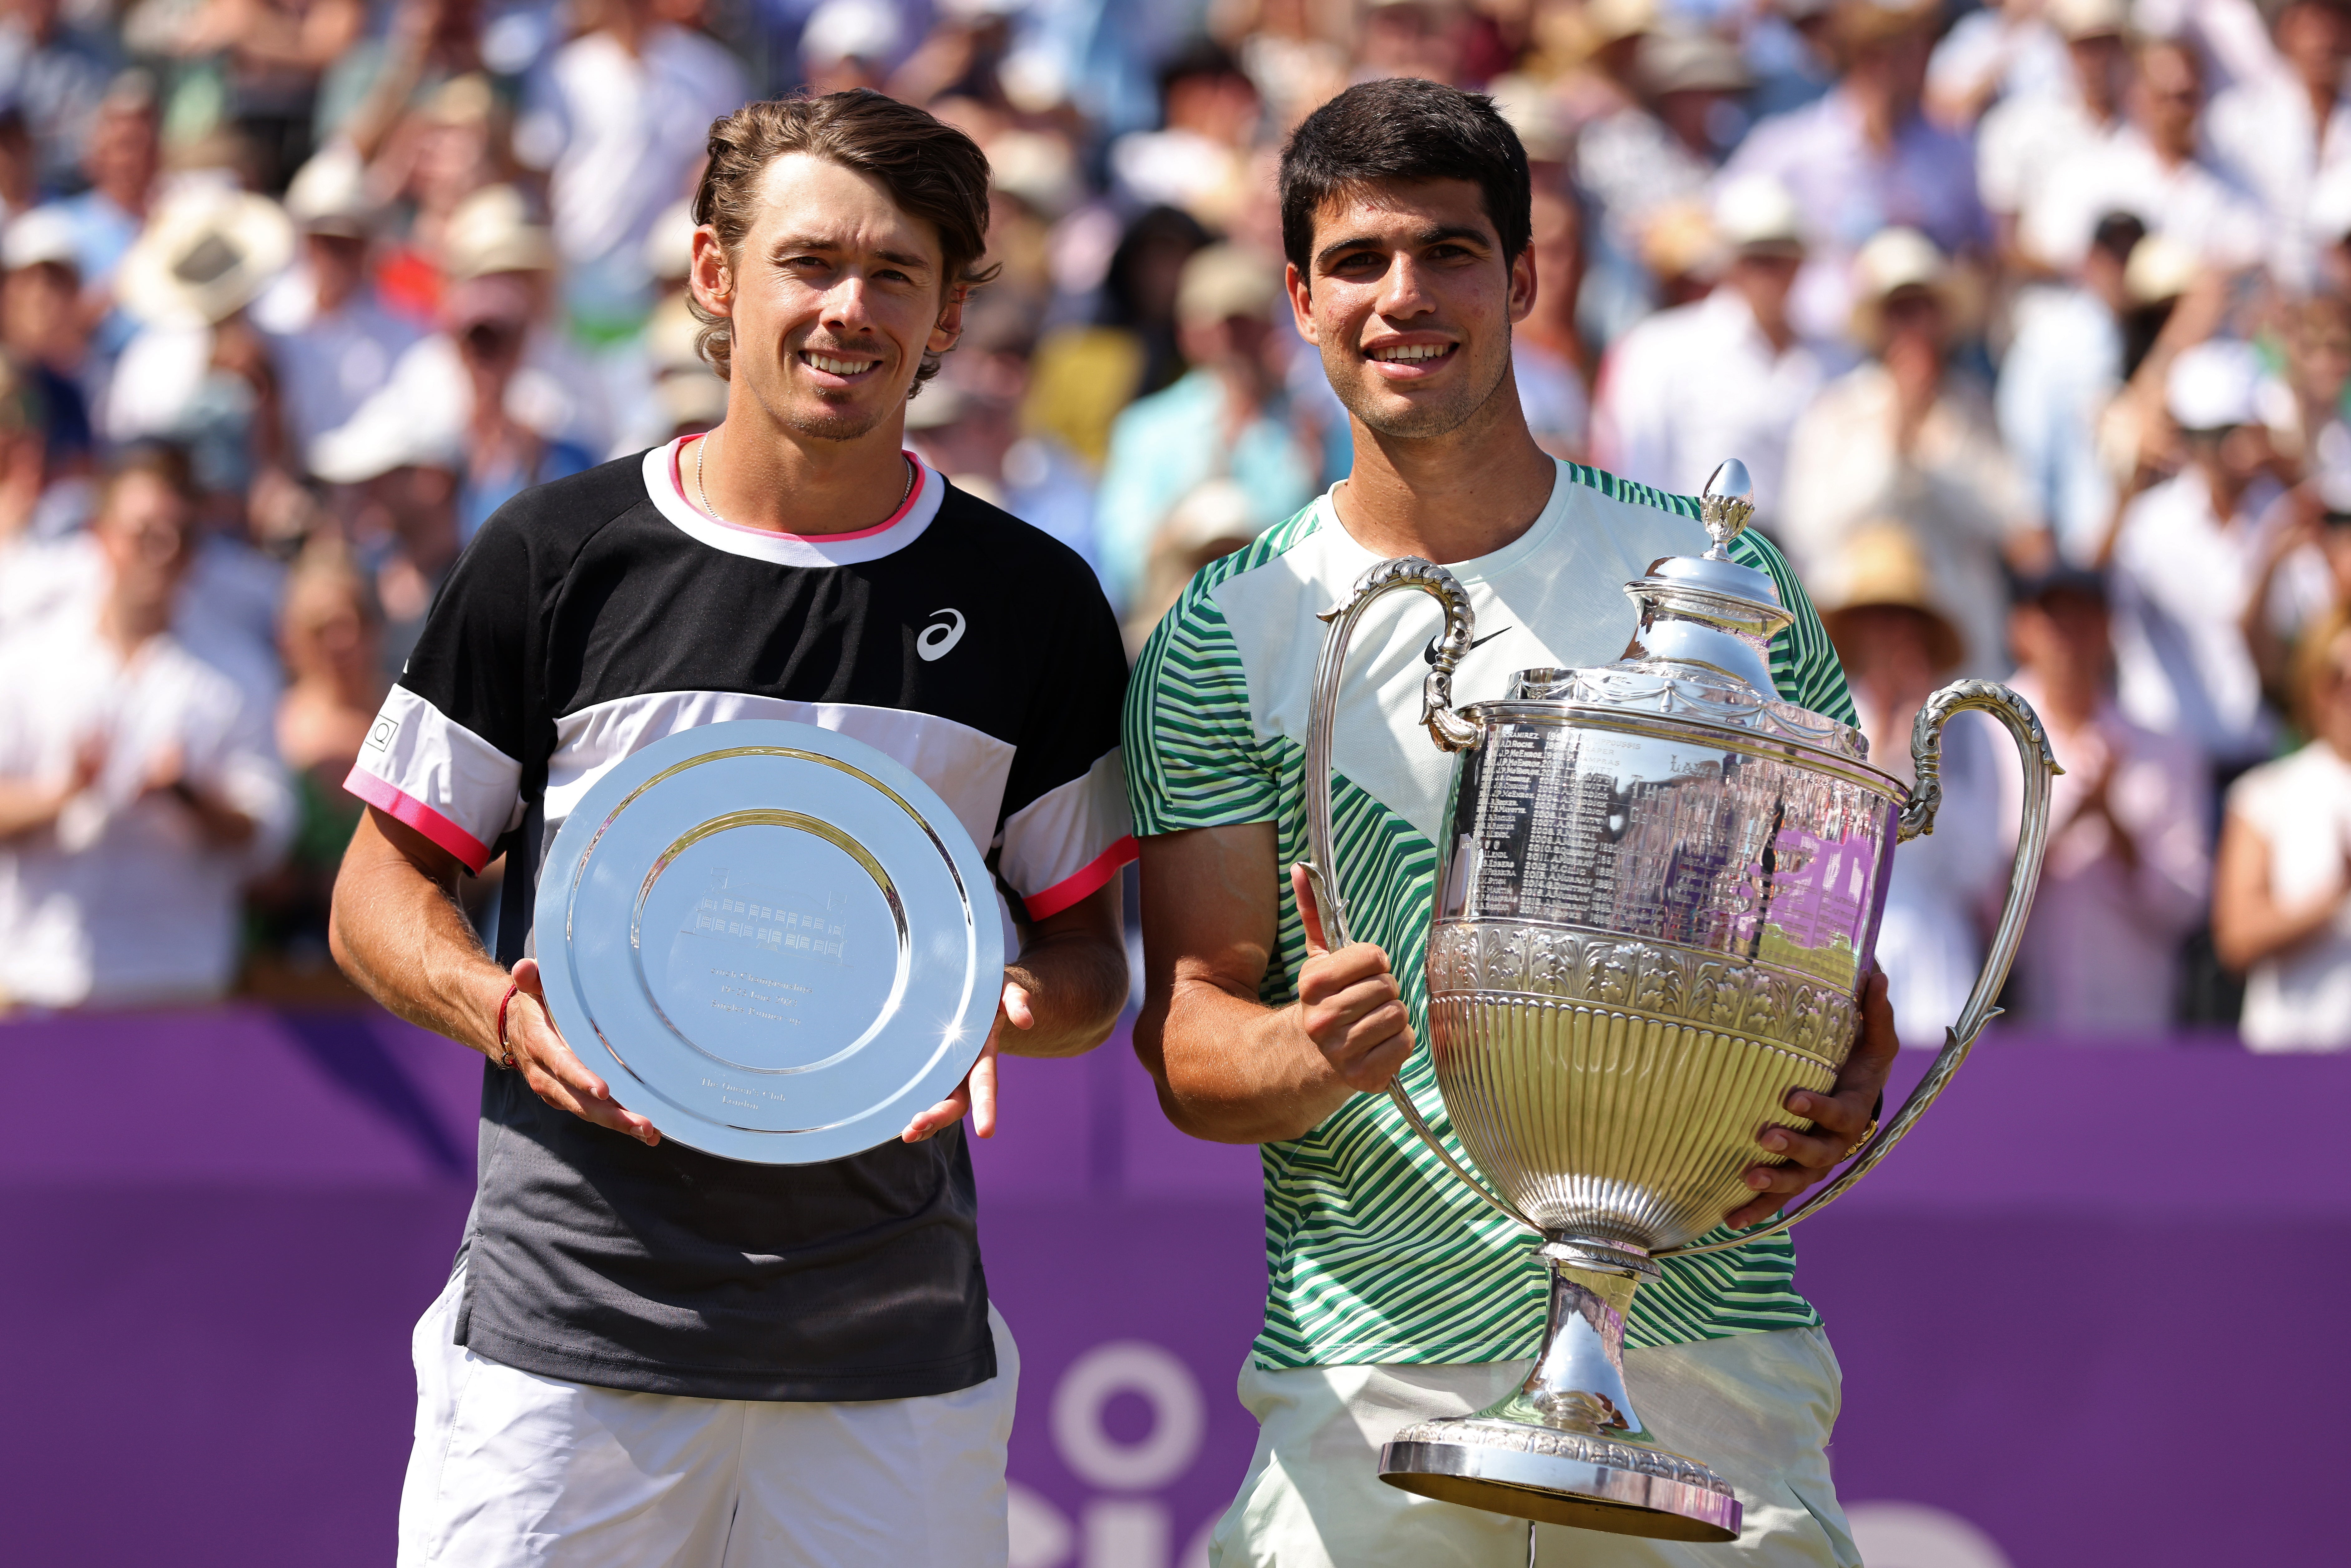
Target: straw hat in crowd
x=1884, y=566
x=206, y=253
x=1897, y=260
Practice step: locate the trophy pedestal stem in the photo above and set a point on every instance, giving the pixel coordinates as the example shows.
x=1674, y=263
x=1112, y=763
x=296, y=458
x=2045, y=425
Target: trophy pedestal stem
x=1567, y=1446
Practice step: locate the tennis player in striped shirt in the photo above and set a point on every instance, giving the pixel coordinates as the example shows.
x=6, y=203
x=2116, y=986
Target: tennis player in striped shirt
x=1393, y=1296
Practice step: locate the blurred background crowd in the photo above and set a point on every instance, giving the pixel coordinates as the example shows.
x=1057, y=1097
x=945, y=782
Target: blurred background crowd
x=2032, y=322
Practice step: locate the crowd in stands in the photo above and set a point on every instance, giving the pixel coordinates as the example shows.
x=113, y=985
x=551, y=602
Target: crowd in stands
x=2032, y=322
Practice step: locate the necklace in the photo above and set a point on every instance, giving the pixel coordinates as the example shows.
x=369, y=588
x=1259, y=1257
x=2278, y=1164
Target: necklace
x=703, y=446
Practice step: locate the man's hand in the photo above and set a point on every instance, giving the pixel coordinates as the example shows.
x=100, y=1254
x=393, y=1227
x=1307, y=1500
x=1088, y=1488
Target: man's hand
x=553, y=1072
x=976, y=1095
x=1350, y=1003
x=1839, y=1117
x=1061, y=997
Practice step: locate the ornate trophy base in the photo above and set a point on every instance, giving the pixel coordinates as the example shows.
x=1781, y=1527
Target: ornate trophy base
x=1566, y=1448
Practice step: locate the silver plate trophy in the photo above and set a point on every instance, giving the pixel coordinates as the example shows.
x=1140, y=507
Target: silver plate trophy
x=1657, y=893
x=773, y=941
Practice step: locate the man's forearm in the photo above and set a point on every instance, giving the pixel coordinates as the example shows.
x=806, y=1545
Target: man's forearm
x=1247, y=1073
x=403, y=939
x=1076, y=987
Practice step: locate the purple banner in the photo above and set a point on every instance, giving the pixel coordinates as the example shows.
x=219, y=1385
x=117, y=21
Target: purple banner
x=2088, y=1273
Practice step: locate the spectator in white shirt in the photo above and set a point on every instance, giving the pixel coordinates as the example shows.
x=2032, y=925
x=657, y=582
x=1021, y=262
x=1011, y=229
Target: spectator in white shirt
x=2154, y=169
x=2128, y=866
x=333, y=344
x=2278, y=132
x=2282, y=897
x=2005, y=51
x=1908, y=433
x=138, y=787
x=620, y=129
x=1725, y=376
x=1883, y=604
x=2185, y=559
x=2064, y=366
x=2028, y=134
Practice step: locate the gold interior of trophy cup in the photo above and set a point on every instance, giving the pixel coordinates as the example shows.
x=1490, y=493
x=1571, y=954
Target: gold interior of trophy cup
x=1613, y=1086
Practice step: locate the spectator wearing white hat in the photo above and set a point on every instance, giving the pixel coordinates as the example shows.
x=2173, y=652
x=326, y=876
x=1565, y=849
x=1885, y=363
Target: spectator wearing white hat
x=2153, y=168
x=850, y=44
x=1659, y=150
x=45, y=331
x=331, y=340
x=1725, y=376
x=2129, y=863
x=2185, y=562
x=2028, y=134
x=551, y=390
x=395, y=486
x=1909, y=434
x=2278, y=133
x=1226, y=419
x=2281, y=889
x=139, y=786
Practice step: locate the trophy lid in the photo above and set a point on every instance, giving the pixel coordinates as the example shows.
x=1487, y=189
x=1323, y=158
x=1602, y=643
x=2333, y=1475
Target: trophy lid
x=1703, y=646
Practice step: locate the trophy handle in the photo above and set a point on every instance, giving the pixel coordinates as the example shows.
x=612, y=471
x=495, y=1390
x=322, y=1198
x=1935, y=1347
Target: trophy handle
x=1916, y=821
x=1450, y=730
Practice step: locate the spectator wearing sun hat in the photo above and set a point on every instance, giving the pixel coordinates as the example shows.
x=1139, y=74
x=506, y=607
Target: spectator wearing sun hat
x=1725, y=376
x=1896, y=631
x=2185, y=560
x=331, y=340
x=1909, y=433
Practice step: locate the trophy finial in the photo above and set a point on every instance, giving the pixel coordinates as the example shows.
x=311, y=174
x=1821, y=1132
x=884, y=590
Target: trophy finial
x=1726, y=504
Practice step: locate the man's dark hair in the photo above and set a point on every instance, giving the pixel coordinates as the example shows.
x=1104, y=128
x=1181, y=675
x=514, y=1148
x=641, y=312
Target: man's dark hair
x=932, y=170
x=1404, y=129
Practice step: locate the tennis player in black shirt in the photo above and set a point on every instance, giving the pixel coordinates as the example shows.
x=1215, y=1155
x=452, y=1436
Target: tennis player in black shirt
x=646, y=1354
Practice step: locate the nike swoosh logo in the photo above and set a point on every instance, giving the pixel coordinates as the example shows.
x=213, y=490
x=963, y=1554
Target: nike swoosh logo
x=1429, y=655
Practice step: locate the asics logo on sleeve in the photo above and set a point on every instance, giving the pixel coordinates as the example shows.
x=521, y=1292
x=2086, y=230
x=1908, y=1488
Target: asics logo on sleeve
x=940, y=638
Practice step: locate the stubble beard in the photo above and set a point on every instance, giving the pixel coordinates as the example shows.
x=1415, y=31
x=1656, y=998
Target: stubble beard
x=1419, y=421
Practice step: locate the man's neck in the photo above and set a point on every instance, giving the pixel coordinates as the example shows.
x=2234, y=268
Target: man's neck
x=1774, y=324
x=760, y=475
x=126, y=628
x=1452, y=497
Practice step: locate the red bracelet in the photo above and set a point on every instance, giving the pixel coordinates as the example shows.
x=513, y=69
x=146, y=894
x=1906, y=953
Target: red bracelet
x=505, y=1057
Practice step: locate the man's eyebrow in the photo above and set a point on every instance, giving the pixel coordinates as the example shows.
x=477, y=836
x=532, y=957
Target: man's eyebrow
x=791, y=243
x=1436, y=235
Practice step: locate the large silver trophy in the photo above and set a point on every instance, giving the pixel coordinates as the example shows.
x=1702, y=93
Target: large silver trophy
x=1657, y=893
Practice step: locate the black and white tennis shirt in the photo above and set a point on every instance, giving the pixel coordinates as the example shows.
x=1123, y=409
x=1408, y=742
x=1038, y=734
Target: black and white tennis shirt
x=597, y=614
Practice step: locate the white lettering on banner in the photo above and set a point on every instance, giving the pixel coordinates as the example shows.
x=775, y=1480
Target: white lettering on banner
x=1179, y=1419
x=1913, y=1535
x=1041, y=1537
x=1125, y=1530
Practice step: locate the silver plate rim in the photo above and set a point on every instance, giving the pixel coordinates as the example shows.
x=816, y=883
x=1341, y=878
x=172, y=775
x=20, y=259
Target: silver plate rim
x=669, y=755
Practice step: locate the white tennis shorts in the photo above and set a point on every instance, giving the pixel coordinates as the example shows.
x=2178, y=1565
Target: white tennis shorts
x=1757, y=1407
x=511, y=1468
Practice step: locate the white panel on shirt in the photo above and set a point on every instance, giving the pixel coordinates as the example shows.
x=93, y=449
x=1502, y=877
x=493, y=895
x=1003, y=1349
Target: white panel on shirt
x=966, y=766
x=440, y=766
x=1553, y=596
x=1059, y=847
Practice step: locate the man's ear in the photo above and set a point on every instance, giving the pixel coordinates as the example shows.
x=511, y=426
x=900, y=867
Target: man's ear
x=1522, y=285
x=707, y=274
x=1301, y=302
x=949, y=330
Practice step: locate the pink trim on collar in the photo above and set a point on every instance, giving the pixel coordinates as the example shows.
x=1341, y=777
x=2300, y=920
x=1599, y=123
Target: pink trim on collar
x=677, y=478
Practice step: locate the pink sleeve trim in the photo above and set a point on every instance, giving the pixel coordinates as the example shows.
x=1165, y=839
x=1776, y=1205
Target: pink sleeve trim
x=407, y=809
x=1070, y=890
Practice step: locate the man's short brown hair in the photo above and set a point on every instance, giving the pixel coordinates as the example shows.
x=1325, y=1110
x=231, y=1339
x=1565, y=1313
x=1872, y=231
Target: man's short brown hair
x=932, y=170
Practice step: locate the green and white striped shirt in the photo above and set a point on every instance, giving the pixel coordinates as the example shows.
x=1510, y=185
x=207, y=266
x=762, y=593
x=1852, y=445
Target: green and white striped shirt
x=1375, y=1252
